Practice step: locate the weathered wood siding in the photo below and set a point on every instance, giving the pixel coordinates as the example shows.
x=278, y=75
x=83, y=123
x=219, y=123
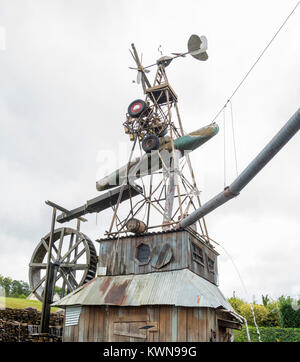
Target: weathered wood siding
x=119, y=255
x=167, y=324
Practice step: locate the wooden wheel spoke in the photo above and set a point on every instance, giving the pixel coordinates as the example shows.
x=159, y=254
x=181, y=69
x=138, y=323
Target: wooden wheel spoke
x=70, y=245
x=58, y=276
x=38, y=284
x=73, y=266
x=71, y=250
x=71, y=276
x=38, y=265
x=47, y=248
x=78, y=256
x=70, y=286
x=62, y=234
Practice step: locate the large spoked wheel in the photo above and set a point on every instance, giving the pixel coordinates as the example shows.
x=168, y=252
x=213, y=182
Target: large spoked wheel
x=75, y=255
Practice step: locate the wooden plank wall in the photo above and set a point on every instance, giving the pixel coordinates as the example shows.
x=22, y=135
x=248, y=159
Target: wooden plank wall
x=175, y=324
x=124, y=250
x=118, y=255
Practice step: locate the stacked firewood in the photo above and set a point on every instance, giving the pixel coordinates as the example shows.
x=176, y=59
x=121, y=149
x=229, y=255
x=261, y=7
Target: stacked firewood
x=22, y=325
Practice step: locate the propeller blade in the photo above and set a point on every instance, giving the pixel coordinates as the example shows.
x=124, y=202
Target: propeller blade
x=139, y=77
x=197, y=47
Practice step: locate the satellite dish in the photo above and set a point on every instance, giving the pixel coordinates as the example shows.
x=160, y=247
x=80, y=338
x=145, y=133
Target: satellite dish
x=197, y=47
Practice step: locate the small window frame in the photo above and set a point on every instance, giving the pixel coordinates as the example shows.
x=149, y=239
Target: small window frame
x=195, y=255
x=140, y=263
x=208, y=260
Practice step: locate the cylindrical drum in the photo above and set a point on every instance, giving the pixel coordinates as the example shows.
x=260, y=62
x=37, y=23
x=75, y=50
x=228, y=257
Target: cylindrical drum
x=136, y=226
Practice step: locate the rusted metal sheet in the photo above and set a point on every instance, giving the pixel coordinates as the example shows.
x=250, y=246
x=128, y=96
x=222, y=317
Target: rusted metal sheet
x=179, y=288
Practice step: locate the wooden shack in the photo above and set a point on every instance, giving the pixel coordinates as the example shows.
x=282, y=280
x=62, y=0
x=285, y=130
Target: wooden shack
x=152, y=287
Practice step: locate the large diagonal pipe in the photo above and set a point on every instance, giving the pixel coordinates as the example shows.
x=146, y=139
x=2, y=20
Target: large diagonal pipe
x=270, y=150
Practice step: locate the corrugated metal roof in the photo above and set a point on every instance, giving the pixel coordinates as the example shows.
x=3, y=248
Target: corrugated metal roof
x=141, y=235
x=177, y=287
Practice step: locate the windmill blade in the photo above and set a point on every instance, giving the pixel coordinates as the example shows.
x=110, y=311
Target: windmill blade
x=134, y=58
x=203, y=43
x=139, y=77
x=197, y=47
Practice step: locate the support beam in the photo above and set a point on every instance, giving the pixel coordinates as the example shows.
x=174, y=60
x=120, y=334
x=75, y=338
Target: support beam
x=100, y=203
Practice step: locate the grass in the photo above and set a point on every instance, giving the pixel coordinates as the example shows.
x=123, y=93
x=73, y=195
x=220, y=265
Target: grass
x=20, y=303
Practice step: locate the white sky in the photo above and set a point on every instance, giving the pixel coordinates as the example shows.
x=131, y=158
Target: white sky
x=64, y=90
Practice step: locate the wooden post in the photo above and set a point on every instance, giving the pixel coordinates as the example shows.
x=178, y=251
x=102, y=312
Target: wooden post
x=49, y=282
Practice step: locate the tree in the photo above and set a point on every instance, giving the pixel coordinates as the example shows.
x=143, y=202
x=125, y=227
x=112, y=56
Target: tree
x=265, y=300
x=6, y=284
x=236, y=304
x=58, y=290
x=289, y=313
x=265, y=315
x=14, y=288
x=18, y=288
x=260, y=312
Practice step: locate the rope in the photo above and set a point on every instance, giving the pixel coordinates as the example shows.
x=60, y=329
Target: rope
x=224, y=147
x=257, y=60
x=233, y=139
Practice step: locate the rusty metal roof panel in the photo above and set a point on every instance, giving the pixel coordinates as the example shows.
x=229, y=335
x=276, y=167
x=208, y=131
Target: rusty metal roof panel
x=177, y=287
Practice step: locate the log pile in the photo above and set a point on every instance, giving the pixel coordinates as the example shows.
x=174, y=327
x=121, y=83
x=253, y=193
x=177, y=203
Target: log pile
x=22, y=325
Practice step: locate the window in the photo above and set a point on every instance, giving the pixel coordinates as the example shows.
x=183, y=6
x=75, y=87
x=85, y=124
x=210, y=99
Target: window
x=210, y=265
x=197, y=254
x=143, y=253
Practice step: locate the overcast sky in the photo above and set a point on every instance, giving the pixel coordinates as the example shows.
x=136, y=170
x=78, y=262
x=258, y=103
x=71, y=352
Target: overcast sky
x=65, y=87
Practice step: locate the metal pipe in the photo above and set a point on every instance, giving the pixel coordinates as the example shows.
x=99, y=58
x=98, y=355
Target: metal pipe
x=270, y=150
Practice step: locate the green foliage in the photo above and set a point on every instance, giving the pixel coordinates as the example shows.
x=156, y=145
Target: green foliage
x=260, y=312
x=266, y=315
x=273, y=315
x=269, y=334
x=6, y=283
x=14, y=288
x=236, y=304
x=265, y=300
x=58, y=290
x=289, y=312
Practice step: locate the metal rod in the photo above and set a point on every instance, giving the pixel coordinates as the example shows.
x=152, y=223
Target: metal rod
x=269, y=151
